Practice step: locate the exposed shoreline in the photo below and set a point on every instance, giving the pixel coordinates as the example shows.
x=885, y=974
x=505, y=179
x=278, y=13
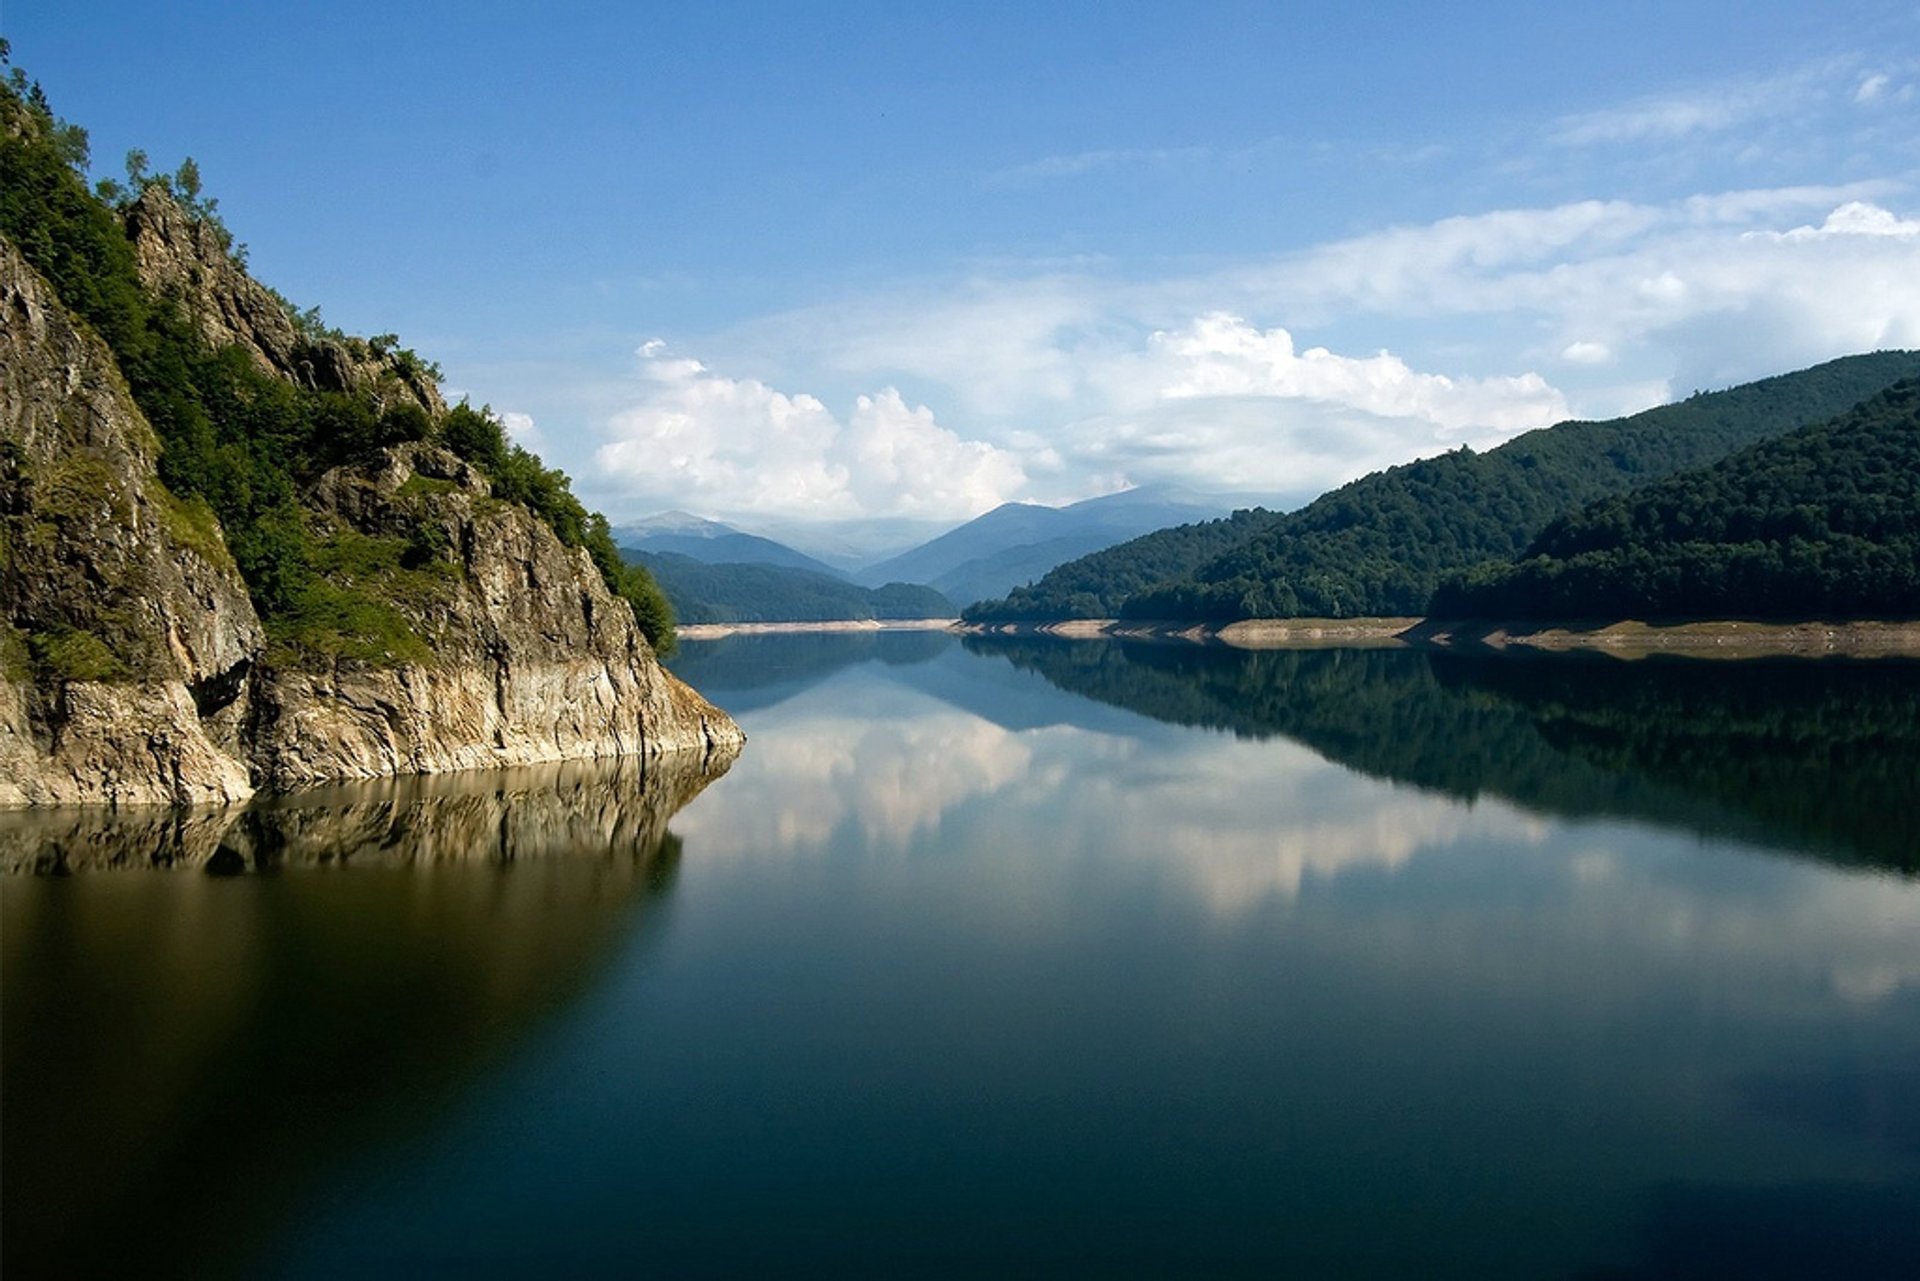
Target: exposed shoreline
x=714, y=631
x=1623, y=639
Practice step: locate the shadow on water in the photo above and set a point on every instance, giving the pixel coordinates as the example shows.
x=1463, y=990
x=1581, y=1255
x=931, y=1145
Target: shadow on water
x=1817, y=757
x=183, y=1055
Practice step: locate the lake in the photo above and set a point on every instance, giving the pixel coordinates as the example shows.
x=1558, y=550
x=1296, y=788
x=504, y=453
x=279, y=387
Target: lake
x=1008, y=958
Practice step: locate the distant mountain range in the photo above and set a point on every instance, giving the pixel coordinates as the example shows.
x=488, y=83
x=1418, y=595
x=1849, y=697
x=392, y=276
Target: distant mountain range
x=763, y=593
x=681, y=534
x=1014, y=543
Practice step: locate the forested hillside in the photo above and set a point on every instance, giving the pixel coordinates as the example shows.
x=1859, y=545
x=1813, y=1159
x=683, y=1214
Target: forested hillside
x=752, y=593
x=1383, y=544
x=1822, y=523
x=1095, y=586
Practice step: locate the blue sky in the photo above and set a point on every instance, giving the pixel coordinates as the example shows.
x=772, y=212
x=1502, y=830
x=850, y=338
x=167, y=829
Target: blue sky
x=808, y=262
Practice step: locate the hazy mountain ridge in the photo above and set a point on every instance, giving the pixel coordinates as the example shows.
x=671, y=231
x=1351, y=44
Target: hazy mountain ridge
x=712, y=541
x=761, y=593
x=1016, y=541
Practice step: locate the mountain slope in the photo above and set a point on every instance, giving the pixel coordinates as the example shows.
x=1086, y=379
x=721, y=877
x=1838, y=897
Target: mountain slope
x=1821, y=523
x=1097, y=585
x=1016, y=542
x=1383, y=544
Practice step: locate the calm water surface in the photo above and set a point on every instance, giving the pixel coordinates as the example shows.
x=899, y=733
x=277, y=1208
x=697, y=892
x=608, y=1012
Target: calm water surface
x=1016, y=959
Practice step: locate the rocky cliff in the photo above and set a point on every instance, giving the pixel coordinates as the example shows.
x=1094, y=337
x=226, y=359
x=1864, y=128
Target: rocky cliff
x=127, y=622
x=535, y=660
x=183, y=258
x=136, y=669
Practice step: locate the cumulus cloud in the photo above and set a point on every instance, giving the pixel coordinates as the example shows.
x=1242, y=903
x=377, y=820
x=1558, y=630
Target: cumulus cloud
x=1065, y=384
x=1716, y=289
x=1221, y=355
x=1855, y=218
x=702, y=440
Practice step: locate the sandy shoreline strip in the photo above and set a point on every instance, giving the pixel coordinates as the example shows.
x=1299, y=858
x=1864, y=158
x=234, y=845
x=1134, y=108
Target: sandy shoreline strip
x=1623, y=639
x=714, y=631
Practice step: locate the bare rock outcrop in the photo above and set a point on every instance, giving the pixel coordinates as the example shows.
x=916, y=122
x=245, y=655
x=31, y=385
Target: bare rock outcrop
x=125, y=594
x=133, y=667
x=535, y=659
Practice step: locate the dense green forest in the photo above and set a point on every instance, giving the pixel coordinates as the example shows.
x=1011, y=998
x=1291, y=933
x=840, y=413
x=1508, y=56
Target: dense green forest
x=1778, y=752
x=755, y=593
x=1822, y=523
x=1096, y=585
x=1382, y=544
x=241, y=445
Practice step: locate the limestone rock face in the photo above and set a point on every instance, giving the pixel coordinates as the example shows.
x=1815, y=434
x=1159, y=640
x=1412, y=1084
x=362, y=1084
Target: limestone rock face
x=128, y=590
x=133, y=667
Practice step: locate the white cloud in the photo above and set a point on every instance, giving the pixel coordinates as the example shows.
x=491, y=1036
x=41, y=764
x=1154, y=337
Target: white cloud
x=1103, y=160
x=1855, y=218
x=523, y=431
x=710, y=443
x=1715, y=289
x=1062, y=384
x=1703, y=110
x=1221, y=355
x=1871, y=87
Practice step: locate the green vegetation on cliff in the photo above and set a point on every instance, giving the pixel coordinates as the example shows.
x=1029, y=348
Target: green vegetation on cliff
x=1821, y=523
x=244, y=443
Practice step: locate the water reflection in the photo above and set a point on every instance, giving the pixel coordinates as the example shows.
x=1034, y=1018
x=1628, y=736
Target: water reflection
x=1423, y=968
x=185, y=1055
x=1813, y=757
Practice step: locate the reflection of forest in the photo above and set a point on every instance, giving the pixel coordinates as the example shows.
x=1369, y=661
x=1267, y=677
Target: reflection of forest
x=184, y=1054
x=1819, y=757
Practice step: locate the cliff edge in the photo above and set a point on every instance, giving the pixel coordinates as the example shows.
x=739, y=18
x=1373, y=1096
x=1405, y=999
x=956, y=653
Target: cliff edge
x=135, y=666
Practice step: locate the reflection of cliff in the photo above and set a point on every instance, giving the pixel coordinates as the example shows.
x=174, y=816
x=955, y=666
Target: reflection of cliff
x=1814, y=756
x=501, y=816
x=183, y=1055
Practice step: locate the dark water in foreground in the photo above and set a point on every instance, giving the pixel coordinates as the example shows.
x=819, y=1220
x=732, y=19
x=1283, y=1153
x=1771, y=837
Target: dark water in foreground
x=1034, y=959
